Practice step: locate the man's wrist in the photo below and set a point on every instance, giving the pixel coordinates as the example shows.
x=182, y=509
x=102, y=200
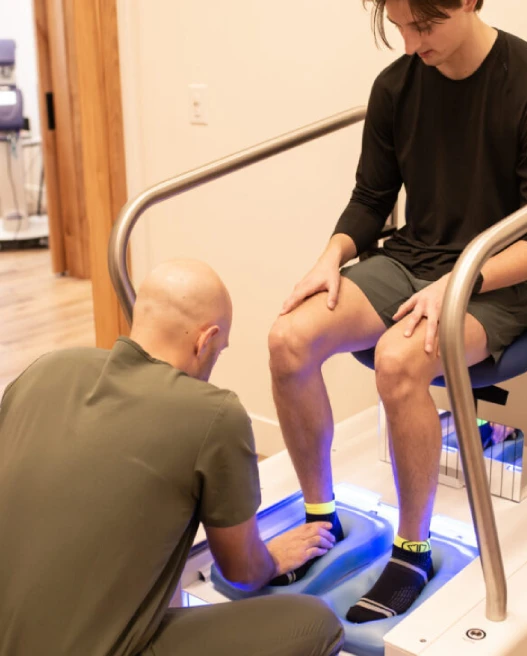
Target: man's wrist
x=273, y=562
x=341, y=247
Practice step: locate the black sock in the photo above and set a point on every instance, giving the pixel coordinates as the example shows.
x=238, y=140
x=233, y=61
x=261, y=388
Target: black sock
x=399, y=585
x=300, y=572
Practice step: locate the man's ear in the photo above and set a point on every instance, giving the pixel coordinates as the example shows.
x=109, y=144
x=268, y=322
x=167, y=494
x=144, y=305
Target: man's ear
x=469, y=5
x=204, y=339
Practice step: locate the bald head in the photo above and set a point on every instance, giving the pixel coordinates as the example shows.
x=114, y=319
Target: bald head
x=183, y=315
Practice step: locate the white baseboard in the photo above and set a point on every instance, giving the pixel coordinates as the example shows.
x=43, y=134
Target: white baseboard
x=269, y=439
x=267, y=435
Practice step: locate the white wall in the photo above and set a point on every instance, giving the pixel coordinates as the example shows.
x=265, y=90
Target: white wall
x=16, y=22
x=270, y=67
x=508, y=15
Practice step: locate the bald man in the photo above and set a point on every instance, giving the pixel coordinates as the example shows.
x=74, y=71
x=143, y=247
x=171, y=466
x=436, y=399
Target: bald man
x=109, y=461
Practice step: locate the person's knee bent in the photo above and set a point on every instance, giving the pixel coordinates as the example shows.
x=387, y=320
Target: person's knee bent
x=289, y=349
x=322, y=624
x=397, y=371
x=331, y=630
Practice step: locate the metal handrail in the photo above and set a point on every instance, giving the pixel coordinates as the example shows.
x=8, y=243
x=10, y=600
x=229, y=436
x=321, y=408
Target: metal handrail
x=452, y=346
x=451, y=325
x=134, y=208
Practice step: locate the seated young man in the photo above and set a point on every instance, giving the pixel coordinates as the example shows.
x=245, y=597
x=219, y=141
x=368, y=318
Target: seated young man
x=449, y=120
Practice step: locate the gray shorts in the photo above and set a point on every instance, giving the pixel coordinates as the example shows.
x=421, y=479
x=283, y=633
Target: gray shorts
x=387, y=284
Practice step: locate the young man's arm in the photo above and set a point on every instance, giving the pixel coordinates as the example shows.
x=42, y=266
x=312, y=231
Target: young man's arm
x=510, y=266
x=507, y=268
x=325, y=275
x=378, y=182
x=378, y=178
x=503, y=270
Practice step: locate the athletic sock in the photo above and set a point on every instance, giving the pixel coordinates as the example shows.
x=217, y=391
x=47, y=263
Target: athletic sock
x=319, y=512
x=407, y=572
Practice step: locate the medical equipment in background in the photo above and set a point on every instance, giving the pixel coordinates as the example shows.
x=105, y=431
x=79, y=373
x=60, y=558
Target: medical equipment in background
x=16, y=225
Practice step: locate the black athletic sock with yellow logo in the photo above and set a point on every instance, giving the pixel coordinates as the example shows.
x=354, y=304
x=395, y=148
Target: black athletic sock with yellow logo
x=401, y=582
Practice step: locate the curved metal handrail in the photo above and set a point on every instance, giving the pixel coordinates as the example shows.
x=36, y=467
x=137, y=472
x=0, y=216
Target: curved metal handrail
x=134, y=208
x=452, y=345
x=451, y=325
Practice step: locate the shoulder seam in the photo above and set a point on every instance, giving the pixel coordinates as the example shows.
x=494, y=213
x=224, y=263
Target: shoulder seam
x=220, y=411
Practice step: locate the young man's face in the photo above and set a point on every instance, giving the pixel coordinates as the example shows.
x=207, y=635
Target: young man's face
x=435, y=43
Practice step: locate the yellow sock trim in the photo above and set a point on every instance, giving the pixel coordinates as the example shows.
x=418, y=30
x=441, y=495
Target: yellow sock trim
x=412, y=545
x=320, y=508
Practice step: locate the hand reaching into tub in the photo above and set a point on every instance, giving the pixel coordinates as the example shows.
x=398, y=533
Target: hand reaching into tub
x=247, y=561
x=296, y=547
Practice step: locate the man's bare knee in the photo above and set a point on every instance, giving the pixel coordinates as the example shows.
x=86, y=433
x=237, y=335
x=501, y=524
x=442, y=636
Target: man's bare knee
x=398, y=369
x=289, y=349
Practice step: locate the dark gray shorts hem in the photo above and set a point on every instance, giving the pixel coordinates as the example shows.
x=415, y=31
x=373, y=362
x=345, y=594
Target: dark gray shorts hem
x=387, y=284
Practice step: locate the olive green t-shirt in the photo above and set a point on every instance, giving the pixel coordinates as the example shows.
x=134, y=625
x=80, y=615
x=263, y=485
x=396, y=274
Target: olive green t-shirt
x=109, y=460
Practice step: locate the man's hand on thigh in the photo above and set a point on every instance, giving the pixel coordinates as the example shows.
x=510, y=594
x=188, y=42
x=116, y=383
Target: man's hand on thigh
x=409, y=345
x=425, y=304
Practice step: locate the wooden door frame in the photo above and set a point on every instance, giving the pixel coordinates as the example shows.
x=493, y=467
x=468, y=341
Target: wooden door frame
x=92, y=106
x=49, y=146
x=94, y=25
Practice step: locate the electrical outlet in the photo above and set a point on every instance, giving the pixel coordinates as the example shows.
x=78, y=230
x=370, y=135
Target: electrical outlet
x=198, y=104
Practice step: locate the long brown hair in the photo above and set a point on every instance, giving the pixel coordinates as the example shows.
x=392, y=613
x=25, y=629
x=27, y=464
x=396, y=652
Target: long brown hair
x=423, y=10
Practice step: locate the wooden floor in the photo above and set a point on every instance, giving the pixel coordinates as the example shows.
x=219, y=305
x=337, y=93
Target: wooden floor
x=39, y=311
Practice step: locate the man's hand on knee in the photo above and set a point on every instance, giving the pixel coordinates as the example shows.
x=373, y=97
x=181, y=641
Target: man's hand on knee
x=324, y=276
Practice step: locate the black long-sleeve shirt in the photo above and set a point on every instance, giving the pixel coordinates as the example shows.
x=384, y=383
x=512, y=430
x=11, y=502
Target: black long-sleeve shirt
x=459, y=147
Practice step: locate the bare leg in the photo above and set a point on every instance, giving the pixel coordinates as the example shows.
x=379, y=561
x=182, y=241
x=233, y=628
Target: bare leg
x=404, y=372
x=306, y=420
x=415, y=460
x=299, y=344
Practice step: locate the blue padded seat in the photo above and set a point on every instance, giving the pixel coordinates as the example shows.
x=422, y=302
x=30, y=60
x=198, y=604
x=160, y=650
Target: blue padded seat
x=367, y=537
x=449, y=556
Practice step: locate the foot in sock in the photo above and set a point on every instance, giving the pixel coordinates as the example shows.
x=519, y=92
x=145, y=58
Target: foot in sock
x=300, y=572
x=401, y=582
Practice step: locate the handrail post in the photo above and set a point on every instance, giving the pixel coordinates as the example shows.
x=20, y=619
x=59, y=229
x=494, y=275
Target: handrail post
x=452, y=348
